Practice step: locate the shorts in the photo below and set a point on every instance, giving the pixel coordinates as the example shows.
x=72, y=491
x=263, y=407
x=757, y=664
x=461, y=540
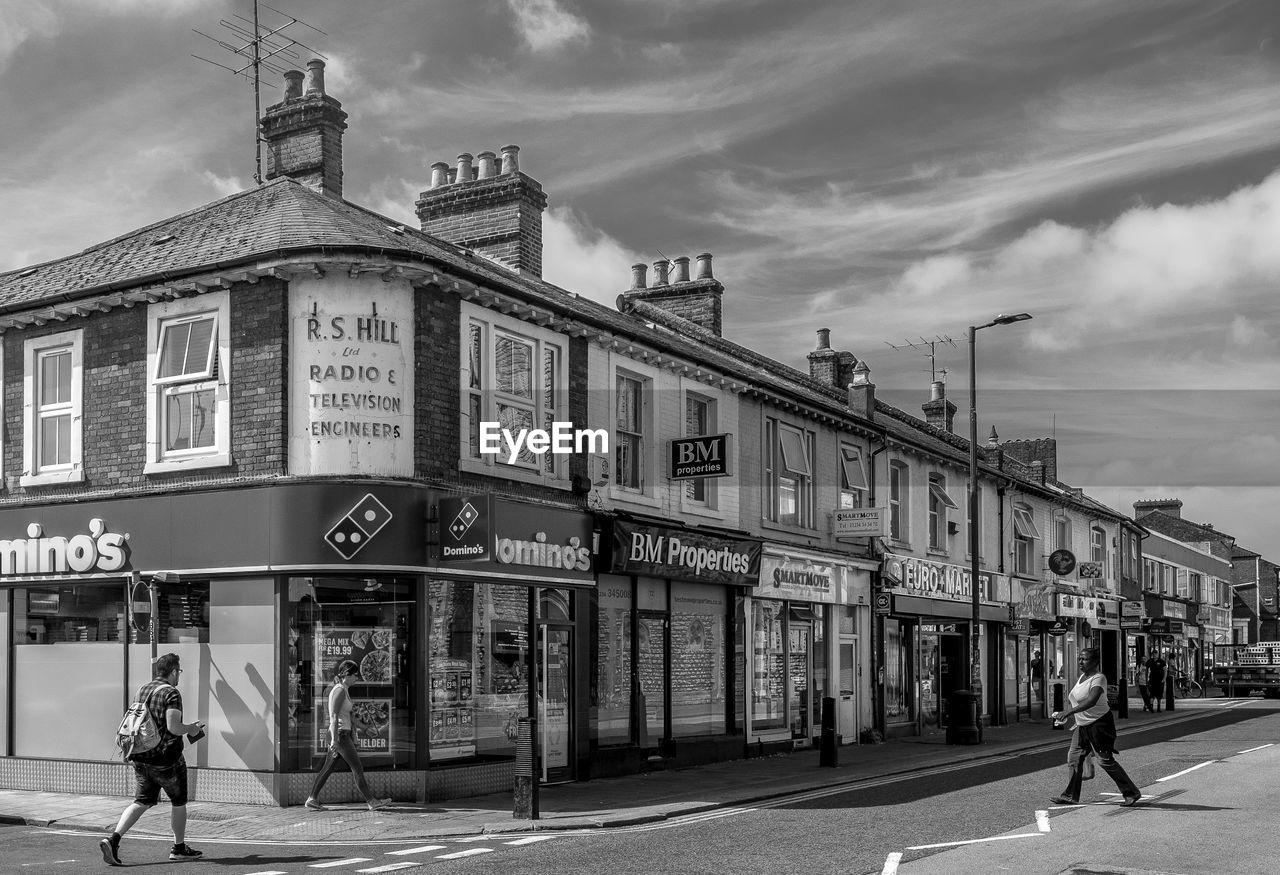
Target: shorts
x=172, y=779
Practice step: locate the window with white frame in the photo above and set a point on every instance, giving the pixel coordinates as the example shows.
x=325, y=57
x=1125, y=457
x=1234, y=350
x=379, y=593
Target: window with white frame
x=515, y=376
x=1062, y=532
x=1025, y=535
x=53, y=409
x=939, y=504
x=899, y=501
x=188, y=383
x=1097, y=544
x=629, y=432
x=699, y=419
x=788, y=472
x=1195, y=586
x=853, y=477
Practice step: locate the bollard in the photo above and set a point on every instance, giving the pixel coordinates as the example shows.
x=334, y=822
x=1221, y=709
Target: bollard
x=964, y=726
x=1168, y=686
x=828, y=753
x=526, y=782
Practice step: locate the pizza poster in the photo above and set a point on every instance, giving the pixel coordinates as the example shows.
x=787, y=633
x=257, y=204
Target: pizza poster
x=371, y=725
x=369, y=648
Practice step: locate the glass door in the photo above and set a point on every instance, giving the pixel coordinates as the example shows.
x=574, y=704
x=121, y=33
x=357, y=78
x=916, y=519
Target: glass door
x=800, y=673
x=555, y=706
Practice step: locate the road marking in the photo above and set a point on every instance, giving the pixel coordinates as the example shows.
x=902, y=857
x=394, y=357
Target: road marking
x=1021, y=835
x=391, y=867
x=530, y=840
x=1042, y=820
x=1185, y=771
x=891, y=864
x=347, y=862
x=1259, y=747
x=269, y=872
x=421, y=850
x=467, y=853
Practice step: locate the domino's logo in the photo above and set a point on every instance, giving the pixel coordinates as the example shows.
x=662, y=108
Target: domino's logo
x=361, y=523
x=463, y=521
x=466, y=528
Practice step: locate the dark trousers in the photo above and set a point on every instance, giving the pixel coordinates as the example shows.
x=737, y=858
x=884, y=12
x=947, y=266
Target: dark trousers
x=343, y=748
x=1146, y=697
x=1107, y=761
x=1156, y=692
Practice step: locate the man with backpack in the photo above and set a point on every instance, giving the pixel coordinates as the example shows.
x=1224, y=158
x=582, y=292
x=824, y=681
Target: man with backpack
x=161, y=766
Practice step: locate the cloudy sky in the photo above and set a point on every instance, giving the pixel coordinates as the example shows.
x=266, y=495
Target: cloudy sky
x=894, y=170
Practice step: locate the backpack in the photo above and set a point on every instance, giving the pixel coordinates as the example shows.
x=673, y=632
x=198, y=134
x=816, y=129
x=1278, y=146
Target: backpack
x=138, y=733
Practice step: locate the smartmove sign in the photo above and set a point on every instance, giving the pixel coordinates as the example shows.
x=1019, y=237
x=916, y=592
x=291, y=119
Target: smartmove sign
x=658, y=551
x=702, y=456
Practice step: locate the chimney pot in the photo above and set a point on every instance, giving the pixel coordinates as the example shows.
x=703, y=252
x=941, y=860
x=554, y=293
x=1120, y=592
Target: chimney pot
x=315, y=77
x=660, y=269
x=638, y=272
x=682, y=269
x=824, y=338
x=704, y=266
x=487, y=166
x=439, y=174
x=465, y=173
x=510, y=159
x=937, y=390
x=293, y=84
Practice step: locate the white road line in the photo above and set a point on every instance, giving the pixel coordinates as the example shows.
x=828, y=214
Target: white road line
x=1042, y=821
x=530, y=840
x=1021, y=835
x=391, y=867
x=891, y=864
x=347, y=862
x=467, y=853
x=421, y=850
x=269, y=872
x=1259, y=747
x=1184, y=771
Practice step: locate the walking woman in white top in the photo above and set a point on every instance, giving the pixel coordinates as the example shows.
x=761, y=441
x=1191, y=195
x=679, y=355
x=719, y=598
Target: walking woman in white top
x=342, y=745
x=1095, y=730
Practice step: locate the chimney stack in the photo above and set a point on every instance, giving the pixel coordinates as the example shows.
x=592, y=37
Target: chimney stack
x=862, y=392
x=1043, y=450
x=497, y=211
x=697, y=301
x=831, y=367
x=1167, y=506
x=938, y=411
x=303, y=133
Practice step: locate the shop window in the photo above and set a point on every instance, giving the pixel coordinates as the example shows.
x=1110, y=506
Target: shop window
x=68, y=614
x=899, y=502
x=189, y=357
x=629, y=433
x=369, y=621
x=698, y=653
x=897, y=659
x=939, y=503
x=788, y=471
x=53, y=410
x=1025, y=535
x=613, y=663
x=769, y=666
x=853, y=477
x=182, y=613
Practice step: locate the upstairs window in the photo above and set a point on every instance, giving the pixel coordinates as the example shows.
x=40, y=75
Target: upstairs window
x=1062, y=532
x=699, y=419
x=53, y=409
x=899, y=502
x=1025, y=535
x=939, y=504
x=788, y=474
x=629, y=432
x=1097, y=544
x=188, y=383
x=853, y=478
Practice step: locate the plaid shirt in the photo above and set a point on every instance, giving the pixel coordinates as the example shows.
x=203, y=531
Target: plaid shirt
x=165, y=697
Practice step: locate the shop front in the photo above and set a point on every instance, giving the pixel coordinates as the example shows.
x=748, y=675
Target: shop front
x=809, y=621
x=1094, y=621
x=1034, y=611
x=925, y=626
x=670, y=621
x=259, y=590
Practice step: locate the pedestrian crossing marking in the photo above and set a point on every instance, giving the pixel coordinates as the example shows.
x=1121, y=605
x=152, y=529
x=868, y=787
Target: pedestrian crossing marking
x=421, y=850
x=346, y=862
x=467, y=853
x=269, y=872
x=530, y=840
x=391, y=867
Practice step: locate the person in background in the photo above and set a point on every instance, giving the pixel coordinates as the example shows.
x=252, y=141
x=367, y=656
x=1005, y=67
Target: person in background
x=1094, y=731
x=1156, y=668
x=1143, y=689
x=342, y=744
x=163, y=767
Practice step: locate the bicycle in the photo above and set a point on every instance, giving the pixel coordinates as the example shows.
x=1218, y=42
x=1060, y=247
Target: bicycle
x=1186, y=688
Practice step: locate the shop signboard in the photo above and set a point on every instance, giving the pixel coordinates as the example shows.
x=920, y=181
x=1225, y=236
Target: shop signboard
x=912, y=576
x=1036, y=601
x=705, y=455
x=859, y=522
x=1131, y=615
x=683, y=554
x=799, y=579
x=510, y=539
x=884, y=602
x=1175, y=609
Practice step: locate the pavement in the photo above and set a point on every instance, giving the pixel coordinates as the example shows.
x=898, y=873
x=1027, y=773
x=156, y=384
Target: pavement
x=599, y=803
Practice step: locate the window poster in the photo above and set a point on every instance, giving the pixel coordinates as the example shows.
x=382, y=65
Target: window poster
x=369, y=648
x=371, y=729
x=452, y=718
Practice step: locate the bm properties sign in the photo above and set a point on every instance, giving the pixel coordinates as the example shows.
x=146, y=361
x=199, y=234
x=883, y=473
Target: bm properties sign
x=658, y=551
x=702, y=456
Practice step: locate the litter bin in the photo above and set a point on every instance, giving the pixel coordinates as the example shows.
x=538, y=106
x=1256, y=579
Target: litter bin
x=962, y=724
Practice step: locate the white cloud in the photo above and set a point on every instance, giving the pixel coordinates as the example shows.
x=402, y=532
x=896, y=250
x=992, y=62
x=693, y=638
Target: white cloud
x=544, y=25
x=582, y=259
x=21, y=21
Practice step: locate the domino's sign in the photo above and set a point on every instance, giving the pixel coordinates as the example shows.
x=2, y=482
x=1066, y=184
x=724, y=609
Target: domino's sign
x=360, y=524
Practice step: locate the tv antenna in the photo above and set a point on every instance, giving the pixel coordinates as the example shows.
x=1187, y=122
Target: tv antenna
x=269, y=49
x=938, y=340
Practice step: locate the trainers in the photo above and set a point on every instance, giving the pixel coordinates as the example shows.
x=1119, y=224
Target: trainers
x=1064, y=800
x=110, y=851
x=375, y=804
x=314, y=804
x=184, y=851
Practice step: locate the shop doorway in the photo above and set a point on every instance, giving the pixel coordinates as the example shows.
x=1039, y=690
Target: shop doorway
x=847, y=702
x=799, y=676
x=941, y=663
x=555, y=701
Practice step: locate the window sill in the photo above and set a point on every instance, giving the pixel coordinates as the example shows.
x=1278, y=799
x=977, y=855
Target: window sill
x=53, y=478
x=702, y=510
x=167, y=466
x=511, y=472
x=633, y=496
x=939, y=552
x=807, y=531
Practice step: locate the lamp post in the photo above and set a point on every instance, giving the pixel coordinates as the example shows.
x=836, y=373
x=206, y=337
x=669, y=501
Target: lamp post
x=975, y=673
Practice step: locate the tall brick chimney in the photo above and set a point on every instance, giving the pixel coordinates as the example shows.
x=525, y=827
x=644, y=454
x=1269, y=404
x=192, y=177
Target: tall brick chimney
x=938, y=410
x=697, y=300
x=489, y=207
x=1167, y=506
x=1043, y=450
x=303, y=133
x=829, y=366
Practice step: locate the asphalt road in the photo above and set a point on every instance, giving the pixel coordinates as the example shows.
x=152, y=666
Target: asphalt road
x=877, y=826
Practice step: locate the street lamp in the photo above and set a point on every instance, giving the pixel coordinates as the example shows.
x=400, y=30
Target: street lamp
x=975, y=673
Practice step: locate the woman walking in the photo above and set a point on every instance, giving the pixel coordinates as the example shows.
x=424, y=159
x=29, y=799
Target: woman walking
x=1095, y=731
x=342, y=743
